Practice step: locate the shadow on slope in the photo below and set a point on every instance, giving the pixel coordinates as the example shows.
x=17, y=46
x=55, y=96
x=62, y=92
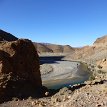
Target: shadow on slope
x=50, y=59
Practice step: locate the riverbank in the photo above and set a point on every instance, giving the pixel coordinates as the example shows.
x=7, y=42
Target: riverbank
x=79, y=95
x=62, y=73
x=91, y=93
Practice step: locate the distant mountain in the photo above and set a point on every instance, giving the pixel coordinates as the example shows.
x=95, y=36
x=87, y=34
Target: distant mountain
x=4, y=36
x=53, y=48
x=41, y=47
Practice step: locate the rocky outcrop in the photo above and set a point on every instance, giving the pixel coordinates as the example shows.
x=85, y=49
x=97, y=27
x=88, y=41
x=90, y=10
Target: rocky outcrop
x=19, y=69
x=78, y=95
x=4, y=36
x=101, y=40
x=102, y=65
x=87, y=96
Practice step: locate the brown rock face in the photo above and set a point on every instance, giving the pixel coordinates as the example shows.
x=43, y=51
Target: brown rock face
x=102, y=64
x=81, y=53
x=19, y=69
x=101, y=40
x=68, y=49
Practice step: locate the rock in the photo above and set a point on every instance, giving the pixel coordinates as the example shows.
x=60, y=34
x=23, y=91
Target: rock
x=101, y=40
x=102, y=64
x=4, y=36
x=45, y=69
x=62, y=95
x=46, y=93
x=33, y=103
x=19, y=69
x=88, y=96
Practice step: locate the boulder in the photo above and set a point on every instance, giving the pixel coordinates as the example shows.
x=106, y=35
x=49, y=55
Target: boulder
x=19, y=69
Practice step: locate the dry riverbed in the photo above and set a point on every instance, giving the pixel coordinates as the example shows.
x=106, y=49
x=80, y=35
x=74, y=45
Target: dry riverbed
x=91, y=93
x=63, y=73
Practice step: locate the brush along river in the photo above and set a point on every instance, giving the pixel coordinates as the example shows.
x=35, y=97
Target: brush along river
x=64, y=73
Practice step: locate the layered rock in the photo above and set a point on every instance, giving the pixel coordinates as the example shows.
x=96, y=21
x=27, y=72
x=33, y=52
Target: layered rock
x=19, y=69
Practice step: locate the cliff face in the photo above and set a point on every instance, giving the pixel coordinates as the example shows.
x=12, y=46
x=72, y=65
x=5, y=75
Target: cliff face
x=4, y=36
x=19, y=69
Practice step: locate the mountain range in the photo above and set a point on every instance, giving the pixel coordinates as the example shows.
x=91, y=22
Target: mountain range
x=92, y=53
x=41, y=47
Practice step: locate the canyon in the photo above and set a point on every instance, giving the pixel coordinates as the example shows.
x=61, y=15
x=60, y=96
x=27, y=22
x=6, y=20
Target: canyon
x=22, y=72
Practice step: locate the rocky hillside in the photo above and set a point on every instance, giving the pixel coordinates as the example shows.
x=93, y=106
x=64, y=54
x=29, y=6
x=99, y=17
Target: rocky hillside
x=96, y=52
x=52, y=48
x=41, y=48
x=4, y=36
x=101, y=40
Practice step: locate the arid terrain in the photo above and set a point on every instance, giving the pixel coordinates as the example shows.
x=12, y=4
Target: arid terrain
x=53, y=48
x=22, y=72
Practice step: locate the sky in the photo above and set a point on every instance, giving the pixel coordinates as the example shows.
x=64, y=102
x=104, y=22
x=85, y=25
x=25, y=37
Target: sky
x=66, y=22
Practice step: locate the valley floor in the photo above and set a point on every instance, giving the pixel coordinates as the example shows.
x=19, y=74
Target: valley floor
x=91, y=93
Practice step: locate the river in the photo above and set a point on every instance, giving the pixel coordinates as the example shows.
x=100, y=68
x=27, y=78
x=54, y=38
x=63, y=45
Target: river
x=64, y=73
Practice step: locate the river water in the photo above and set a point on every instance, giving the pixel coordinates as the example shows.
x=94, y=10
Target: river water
x=64, y=73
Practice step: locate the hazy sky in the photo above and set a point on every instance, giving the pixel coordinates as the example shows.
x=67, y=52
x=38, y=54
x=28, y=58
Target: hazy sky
x=74, y=22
